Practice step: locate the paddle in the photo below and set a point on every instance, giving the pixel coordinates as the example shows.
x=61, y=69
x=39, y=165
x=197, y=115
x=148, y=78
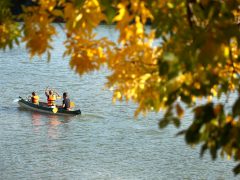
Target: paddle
x=55, y=110
x=72, y=104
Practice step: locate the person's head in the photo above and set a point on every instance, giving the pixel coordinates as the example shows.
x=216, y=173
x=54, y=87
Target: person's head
x=65, y=95
x=33, y=93
x=50, y=92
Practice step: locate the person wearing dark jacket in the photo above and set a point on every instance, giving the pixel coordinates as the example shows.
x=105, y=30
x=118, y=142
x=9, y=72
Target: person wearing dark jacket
x=66, y=101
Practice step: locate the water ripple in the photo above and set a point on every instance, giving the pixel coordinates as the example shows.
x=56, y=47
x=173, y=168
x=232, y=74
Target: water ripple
x=105, y=142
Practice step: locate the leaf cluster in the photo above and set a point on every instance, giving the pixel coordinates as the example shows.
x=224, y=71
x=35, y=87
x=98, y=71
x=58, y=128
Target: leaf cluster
x=169, y=54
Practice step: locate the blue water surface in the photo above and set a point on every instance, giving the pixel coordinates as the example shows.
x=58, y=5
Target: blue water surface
x=105, y=142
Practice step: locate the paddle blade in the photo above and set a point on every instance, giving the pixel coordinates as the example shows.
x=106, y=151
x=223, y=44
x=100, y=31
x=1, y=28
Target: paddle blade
x=55, y=110
x=72, y=104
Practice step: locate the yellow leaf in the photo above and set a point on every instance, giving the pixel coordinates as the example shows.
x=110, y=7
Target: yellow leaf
x=226, y=51
x=139, y=26
x=57, y=12
x=79, y=17
x=170, y=5
x=214, y=91
x=121, y=13
x=215, y=122
x=229, y=119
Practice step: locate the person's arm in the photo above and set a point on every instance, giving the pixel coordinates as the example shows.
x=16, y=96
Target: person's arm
x=63, y=103
x=57, y=95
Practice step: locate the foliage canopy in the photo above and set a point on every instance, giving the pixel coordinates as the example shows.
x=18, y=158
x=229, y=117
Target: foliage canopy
x=198, y=56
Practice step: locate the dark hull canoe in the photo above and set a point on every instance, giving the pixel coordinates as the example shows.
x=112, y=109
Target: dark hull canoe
x=42, y=107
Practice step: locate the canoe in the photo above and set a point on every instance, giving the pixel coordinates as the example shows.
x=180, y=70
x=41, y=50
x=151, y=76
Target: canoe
x=42, y=107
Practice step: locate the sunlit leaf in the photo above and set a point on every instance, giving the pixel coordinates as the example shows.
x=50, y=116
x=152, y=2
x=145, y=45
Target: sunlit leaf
x=165, y=55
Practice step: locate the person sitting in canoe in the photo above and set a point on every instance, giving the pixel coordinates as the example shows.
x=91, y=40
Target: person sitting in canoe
x=66, y=101
x=35, y=98
x=52, y=96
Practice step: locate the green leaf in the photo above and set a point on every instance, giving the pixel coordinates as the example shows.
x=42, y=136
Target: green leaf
x=225, y=135
x=57, y=13
x=203, y=149
x=163, y=123
x=181, y=133
x=111, y=13
x=204, y=113
x=192, y=135
x=236, y=169
x=163, y=68
x=236, y=108
x=176, y=122
x=79, y=3
x=213, y=152
x=186, y=99
x=171, y=98
x=17, y=41
x=48, y=56
x=109, y=10
x=10, y=45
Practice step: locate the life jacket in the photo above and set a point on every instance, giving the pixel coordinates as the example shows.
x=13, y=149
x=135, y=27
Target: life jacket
x=35, y=99
x=51, y=100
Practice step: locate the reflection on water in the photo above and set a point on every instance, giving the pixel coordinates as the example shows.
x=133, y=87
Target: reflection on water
x=51, y=121
x=36, y=119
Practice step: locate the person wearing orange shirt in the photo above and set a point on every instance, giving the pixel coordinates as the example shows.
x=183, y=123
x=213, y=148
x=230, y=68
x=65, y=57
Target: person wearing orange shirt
x=52, y=96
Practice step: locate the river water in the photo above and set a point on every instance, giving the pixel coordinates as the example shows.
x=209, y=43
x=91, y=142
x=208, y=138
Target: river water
x=105, y=142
